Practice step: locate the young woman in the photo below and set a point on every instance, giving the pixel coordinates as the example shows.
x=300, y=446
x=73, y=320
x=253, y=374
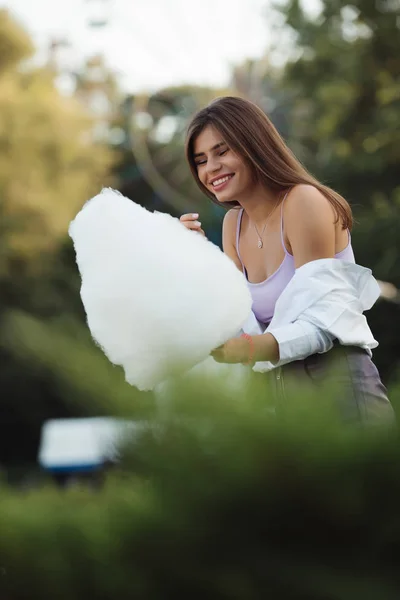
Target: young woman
x=290, y=235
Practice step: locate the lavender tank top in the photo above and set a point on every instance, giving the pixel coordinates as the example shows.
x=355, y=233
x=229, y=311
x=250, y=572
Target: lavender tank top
x=266, y=293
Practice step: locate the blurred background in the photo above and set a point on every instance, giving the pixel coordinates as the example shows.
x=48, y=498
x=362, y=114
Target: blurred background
x=98, y=93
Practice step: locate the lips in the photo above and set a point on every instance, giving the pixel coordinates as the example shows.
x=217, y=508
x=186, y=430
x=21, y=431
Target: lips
x=219, y=181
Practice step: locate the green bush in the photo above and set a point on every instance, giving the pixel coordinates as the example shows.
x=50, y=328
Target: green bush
x=218, y=499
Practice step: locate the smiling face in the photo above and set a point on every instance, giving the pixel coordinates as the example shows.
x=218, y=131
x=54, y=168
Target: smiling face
x=219, y=169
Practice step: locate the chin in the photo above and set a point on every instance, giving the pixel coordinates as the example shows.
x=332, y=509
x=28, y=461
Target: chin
x=225, y=198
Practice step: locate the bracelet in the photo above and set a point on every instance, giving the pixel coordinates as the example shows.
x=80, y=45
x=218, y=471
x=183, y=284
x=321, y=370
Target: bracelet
x=250, y=359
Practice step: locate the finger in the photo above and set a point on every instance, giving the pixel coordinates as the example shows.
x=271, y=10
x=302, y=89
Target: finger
x=218, y=358
x=195, y=225
x=199, y=231
x=189, y=217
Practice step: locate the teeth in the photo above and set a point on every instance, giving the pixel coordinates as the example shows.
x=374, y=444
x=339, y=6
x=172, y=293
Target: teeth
x=222, y=180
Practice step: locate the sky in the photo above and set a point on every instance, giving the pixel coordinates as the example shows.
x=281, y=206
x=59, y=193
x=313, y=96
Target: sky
x=156, y=43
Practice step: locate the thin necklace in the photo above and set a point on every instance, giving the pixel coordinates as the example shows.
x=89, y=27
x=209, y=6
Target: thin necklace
x=260, y=242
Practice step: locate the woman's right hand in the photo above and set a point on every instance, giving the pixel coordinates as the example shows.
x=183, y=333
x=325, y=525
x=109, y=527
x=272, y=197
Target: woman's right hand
x=190, y=221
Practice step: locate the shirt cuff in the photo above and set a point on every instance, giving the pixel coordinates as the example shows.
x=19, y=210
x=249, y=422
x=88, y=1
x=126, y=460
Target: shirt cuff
x=296, y=341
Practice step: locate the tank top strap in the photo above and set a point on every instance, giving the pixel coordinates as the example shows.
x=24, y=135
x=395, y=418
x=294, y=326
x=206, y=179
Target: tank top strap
x=238, y=226
x=282, y=236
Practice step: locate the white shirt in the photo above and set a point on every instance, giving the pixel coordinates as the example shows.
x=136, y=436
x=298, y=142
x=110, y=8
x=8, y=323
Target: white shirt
x=323, y=302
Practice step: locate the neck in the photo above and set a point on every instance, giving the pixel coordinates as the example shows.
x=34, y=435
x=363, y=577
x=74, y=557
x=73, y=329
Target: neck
x=260, y=203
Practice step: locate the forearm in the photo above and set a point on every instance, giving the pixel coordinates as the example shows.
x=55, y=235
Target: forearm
x=266, y=348
x=291, y=342
x=283, y=344
x=295, y=341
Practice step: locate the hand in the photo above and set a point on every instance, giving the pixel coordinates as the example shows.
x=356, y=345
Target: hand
x=235, y=350
x=190, y=222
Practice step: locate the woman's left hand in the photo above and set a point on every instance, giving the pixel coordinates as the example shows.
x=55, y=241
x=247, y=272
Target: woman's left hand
x=235, y=350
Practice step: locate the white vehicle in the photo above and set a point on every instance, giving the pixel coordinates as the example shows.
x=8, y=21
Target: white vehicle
x=75, y=449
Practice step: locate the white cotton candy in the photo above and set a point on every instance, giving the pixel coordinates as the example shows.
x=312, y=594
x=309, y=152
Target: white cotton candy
x=158, y=297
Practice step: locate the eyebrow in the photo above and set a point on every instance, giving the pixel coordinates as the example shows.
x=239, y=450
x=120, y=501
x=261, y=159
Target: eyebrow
x=213, y=148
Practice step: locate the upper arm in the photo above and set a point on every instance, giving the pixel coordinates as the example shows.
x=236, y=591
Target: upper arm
x=229, y=236
x=309, y=225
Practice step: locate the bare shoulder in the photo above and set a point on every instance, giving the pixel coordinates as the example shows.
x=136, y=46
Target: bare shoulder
x=306, y=202
x=309, y=225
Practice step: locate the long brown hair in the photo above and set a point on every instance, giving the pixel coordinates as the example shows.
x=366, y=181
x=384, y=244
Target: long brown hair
x=249, y=132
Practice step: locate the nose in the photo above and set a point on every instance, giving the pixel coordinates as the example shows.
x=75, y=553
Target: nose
x=213, y=164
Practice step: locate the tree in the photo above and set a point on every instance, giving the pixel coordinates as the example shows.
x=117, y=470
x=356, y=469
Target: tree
x=49, y=167
x=343, y=124
x=347, y=83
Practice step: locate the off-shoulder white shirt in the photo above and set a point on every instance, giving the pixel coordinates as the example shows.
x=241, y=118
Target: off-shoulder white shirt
x=323, y=302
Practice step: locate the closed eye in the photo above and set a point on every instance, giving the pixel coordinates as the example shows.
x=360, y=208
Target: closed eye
x=203, y=161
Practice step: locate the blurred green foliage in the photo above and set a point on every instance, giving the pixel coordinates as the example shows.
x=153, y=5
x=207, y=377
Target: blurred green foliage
x=215, y=499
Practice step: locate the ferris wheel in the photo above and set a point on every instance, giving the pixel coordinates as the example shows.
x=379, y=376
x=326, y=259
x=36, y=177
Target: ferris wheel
x=156, y=122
